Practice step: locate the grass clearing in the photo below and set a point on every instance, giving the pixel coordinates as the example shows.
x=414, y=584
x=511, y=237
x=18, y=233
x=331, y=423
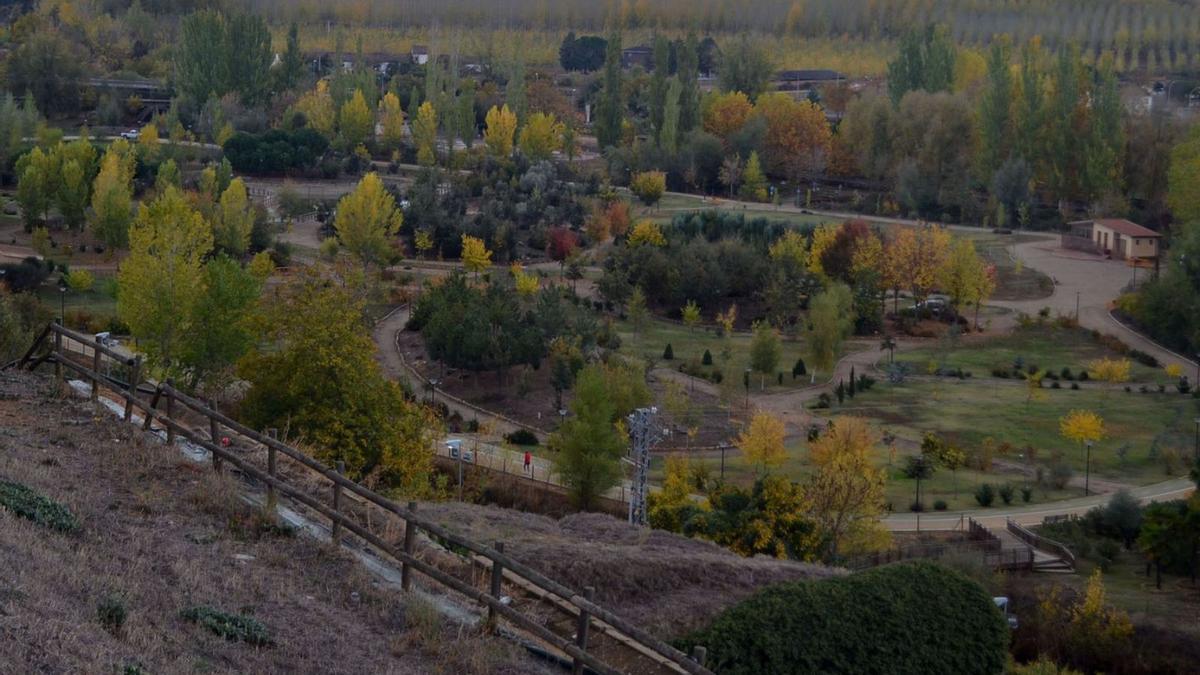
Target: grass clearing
x=688, y=344
x=1148, y=436
x=1046, y=346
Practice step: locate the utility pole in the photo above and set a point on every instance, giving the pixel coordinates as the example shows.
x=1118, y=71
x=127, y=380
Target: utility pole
x=642, y=433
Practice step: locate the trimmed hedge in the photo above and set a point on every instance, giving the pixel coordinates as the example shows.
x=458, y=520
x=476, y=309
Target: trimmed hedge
x=902, y=618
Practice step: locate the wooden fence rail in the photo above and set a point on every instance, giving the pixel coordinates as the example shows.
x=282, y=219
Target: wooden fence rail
x=218, y=424
x=1039, y=542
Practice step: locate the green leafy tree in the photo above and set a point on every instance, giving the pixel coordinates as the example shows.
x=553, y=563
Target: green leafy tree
x=658, y=85
x=745, y=67
x=37, y=184
x=925, y=61
x=72, y=196
x=291, y=67
x=588, y=443
x=223, y=333
x=1183, y=178
x=688, y=72
x=610, y=112
x=995, y=108
x=668, y=137
x=233, y=220
x=831, y=316
x=318, y=377
x=424, y=130
x=754, y=182
x=112, y=201
x=765, y=351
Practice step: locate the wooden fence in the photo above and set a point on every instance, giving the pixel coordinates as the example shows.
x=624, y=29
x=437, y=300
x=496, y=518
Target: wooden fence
x=175, y=403
x=979, y=542
x=1039, y=542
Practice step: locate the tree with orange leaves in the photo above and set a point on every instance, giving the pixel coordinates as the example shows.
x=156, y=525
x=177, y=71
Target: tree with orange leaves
x=726, y=113
x=798, y=138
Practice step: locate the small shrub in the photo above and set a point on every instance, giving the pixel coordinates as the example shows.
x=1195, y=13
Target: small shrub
x=1107, y=551
x=779, y=379
x=1056, y=385
x=111, y=613
x=916, y=507
x=1006, y=493
x=1000, y=373
x=1066, y=374
x=232, y=627
x=1026, y=494
x=1075, y=386
x=718, y=376
x=1128, y=389
x=668, y=353
x=1162, y=388
x=799, y=369
x=521, y=437
x=824, y=400
x=707, y=359
x=26, y=503
x=1060, y=475
x=940, y=505
x=985, y=495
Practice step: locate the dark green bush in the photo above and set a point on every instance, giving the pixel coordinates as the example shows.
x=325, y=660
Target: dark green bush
x=521, y=437
x=940, y=505
x=111, y=613
x=707, y=359
x=26, y=503
x=903, y=618
x=668, y=353
x=232, y=627
x=985, y=494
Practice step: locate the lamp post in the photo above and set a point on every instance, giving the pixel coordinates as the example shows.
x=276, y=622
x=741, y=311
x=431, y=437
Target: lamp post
x=1087, y=470
x=746, y=383
x=62, y=300
x=562, y=416
x=1196, y=447
x=723, y=446
x=433, y=383
x=1076, y=306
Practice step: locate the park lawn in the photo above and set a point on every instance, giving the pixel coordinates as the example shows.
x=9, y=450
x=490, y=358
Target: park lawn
x=1013, y=282
x=1154, y=431
x=690, y=343
x=1049, y=347
x=100, y=300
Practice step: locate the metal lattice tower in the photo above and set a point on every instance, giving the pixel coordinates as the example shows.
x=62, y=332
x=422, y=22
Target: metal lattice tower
x=643, y=434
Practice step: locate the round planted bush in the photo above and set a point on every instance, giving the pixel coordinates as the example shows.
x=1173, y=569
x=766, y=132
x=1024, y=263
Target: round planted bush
x=903, y=618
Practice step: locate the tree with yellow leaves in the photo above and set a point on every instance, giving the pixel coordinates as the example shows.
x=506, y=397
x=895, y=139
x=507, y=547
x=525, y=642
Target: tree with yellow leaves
x=475, y=255
x=112, y=201
x=690, y=314
x=541, y=136
x=919, y=255
x=791, y=249
x=423, y=241
x=501, y=128
x=318, y=109
x=649, y=186
x=233, y=219
x=526, y=283
x=1112, y=371
x=845, y=492
x=1082, y=427
x=366, y=219
x=726, y=113
x=670, y=505
x=391, y=121
x=822, y=239
x=356, y=124
x=761, y=442
x=424, y=129
x=646, y=233
x=161, y=279
x=965, y=277
x=148, y=145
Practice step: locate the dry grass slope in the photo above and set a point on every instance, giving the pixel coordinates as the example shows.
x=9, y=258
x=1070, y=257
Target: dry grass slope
x=160, y=535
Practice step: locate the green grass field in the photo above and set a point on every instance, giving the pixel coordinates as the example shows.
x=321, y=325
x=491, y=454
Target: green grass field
x=1048, y=347
x=689, y=344
x=1147, y=429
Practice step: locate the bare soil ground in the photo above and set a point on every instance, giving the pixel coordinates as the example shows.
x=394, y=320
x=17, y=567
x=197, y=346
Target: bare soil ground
x=666, y=583
x=160, y=534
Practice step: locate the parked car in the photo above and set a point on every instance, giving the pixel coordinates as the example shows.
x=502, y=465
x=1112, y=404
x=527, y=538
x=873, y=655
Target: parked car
x=131, y=135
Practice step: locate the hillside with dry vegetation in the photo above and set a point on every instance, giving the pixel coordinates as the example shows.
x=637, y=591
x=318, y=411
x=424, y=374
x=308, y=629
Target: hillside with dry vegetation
x=159, y=537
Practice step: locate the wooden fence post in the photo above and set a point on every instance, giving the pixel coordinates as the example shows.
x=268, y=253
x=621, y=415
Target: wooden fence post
x=214, y=432
x=170, y=414
x=272, y=498
x=410, y=539
x=135, y=376
x=153, y=406
x=96, y=371
x=581, y=630
x=497, y=576
x=699, y=654
x=337, y=503
x=58, y=356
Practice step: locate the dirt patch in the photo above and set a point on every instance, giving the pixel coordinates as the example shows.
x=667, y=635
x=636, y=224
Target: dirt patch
x=160, y=535
x=666, y=583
